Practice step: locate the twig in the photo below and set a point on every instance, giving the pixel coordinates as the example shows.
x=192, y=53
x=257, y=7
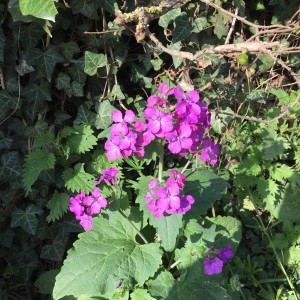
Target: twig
x=232, y=26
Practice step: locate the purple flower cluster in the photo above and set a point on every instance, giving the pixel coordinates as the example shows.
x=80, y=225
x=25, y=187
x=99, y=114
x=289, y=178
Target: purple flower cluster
x=214, y=265
x=85, y=206
x=182, y=126
x=164, y=197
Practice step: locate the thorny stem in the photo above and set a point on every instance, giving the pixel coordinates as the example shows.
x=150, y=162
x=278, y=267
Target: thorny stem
x=135, y=228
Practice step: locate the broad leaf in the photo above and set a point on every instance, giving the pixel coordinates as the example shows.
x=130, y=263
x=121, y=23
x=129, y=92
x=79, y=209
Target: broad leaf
x=93, y=61
x=26, y=219
x=161, y=285
x=103, y=257
x=141, y=294
x=43, y=9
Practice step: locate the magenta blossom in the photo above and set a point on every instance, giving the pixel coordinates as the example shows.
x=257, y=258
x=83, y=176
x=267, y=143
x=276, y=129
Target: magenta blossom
x=210, y=152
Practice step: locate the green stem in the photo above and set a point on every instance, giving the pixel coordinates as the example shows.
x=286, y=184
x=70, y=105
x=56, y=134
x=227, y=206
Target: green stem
x=265, y=231
x=135, y=228
x=161, y=162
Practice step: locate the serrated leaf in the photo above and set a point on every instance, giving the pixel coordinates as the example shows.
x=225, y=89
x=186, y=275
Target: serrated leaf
x=93, y=61
x=206, y=187
x=258, y=96
x=141, y=294
x=58, y=206
x=281, y=95
x=183, y=28
x=280, y=171
x=36, y=161
x=77, y=180
x=43, y=9
x=10, y=167
x=168, y=229
x=104, y=110
x=103, y=257
x=168, y=17
x=26, y=219
x=273, y=146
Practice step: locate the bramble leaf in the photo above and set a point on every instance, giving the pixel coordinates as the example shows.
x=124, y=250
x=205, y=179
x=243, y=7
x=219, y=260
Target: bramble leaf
x=77, y=180
x=58, y=206
x=92, y=266
x=36, y=161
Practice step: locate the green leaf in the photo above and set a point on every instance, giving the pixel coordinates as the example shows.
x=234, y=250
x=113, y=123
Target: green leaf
x=161, y=285
x=36, y=162
x=280, y=171
x=2, y=45
x=37, y=93
x=219, y=20
x=93, y=61
x=281, y=95
x=104, y=256
x=167, y=229
x=31, y=34
x=183, y=28
x=77, y=180
x=87, y=8
x=7, y=102
x=80, y=138
x=56, y=250
x=26, y=219
x=117, y=92
x=85, y=116
x=141, y=294
x=45, y=282
x=10, y=167
x=45, y=60
x=58, y=206
x=177, y=61
x=199, y=24
x=170, y=16
x=69, y=49
x=63, y=82
x=43, y=9
x=206, y=187
x=267, y=63
x=104, y=110
x=257, y=96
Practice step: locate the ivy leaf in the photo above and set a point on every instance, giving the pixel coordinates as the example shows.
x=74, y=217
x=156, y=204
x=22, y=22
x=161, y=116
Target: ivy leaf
x=45, y=61
x=63, y=82
x=7, y=103
x=31, y=34
x=168, y=230
x=176, y=60
x=104, y=256
x=168, y=17
x=36, y=161
x=80, y=138
x=104, y=110
x=26, y=219
x=85, y=116
x=37, y=93
x=199, y=24
x=183, y=28
x=77, y=180
x=219, y=20
x=69, y=49
x=56, y=250
x=58, y=206
x=10, y=167
x=206, y=187
x=2, y=45
x=141, y=294
x=43, y=9
x=93, y=61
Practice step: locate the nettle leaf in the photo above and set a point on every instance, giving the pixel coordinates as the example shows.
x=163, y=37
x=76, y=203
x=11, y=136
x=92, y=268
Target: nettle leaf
x=281, y=95
x=77, y=180
x=36, y=161
x=26, y=219
x=58, y=206
x=93, y=61
x=168, y=17
x=10, y=166
x=104, y=256
x=104, y=110
x=274, y=146
x=280, y=171
x=42, y=9
x=183, y=28
x=141, y=294
x=168, y=229
x=80, y=138
x=45, y=61
x=206, y=187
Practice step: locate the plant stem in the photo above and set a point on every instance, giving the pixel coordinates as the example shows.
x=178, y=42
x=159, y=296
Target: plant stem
x=161, y=162
x=138, y=232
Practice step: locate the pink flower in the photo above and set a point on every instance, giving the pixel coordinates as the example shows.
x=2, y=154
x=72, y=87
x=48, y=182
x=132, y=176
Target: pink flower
x=213, y=266
x=210, y=152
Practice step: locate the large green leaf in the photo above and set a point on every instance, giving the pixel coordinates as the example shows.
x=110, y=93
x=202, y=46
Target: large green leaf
x=104, y=256
x=206, y=187
x=43, y=9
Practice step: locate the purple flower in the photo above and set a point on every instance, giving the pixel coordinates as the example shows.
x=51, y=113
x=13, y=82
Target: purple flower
x=213, y=266
x=109, y=176
x=113, y=148
x=224, y=254
x=179, y=138
x=210, y=152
